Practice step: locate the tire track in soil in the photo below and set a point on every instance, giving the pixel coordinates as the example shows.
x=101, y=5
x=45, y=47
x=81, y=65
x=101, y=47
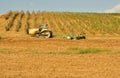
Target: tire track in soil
x=80, y=26
x=59, y=31
x=30, y=21
x=70, y=28
x=65, y=29
x=51, y=25
x=45, y=15
x=38, y=19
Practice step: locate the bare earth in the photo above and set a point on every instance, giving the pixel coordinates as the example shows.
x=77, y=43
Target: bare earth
x=30, y=58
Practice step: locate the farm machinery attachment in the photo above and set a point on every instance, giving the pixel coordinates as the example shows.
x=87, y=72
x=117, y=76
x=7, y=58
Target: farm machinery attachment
x=76, y=36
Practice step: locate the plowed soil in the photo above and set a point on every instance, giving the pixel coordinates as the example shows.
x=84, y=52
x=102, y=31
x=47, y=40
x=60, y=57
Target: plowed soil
x=31, y=58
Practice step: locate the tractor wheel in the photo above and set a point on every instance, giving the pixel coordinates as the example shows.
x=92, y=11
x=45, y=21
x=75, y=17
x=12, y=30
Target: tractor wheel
x=37, y=35
x=46, y=34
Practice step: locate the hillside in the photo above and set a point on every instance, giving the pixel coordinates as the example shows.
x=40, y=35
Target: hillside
x=15, y=23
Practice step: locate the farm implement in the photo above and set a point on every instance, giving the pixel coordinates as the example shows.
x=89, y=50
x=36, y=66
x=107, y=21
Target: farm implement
x=76, y=37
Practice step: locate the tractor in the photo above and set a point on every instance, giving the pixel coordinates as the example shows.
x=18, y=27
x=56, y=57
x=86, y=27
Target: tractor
x=41, y=31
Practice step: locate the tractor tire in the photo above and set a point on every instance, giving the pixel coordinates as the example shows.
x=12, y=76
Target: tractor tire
x=46, y=34
x=37, y=35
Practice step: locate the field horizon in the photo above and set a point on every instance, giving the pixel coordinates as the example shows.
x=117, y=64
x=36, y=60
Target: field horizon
x=61, y=23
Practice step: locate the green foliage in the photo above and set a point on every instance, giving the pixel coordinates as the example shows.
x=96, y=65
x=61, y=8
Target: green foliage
x=0, y=37
x=27, y=28
x=28, y=13
x=8, y=26
x=34, y=18
x=33, y=13
x=8, y=15
x=87, y=50
x=27, y=17
x=59, y=53
x=21, y=14
x=76, y=50
x=10, y=21
x=6, y=51
x=18, y=26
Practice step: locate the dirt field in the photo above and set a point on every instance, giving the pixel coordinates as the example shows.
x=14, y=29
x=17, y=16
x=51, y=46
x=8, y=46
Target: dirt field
x=33, y=58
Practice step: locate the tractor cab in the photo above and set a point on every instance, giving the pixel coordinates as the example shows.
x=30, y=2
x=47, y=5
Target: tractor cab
x=42, y=26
